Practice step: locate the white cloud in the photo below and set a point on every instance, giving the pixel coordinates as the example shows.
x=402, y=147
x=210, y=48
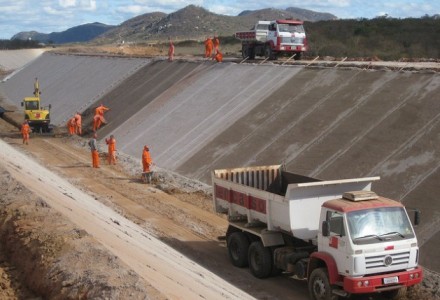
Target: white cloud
x=67, y=3
x=131, y=9
x=51, y=11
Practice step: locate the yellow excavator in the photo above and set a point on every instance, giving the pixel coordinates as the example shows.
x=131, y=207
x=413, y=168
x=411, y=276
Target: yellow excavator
x=37, y=116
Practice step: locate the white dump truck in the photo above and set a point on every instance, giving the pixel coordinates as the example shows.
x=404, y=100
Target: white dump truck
x=338, y=234
x=272, y=38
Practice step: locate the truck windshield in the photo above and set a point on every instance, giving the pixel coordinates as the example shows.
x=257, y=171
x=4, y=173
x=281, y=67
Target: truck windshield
x=290, y=28
x=31, y=105
x=380, y=224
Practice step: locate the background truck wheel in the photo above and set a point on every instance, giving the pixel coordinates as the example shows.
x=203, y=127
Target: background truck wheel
x=238, y=246
x=395, y=294
x=319, y=285
x=268, y=53
x=260, y=260
x=297, y=56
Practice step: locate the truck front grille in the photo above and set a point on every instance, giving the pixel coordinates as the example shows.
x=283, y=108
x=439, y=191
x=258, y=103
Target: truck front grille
x=387, y=260
x=292, y=40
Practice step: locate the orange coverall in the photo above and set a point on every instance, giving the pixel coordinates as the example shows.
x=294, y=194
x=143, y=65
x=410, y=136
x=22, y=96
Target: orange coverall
x=98, y=120
x=208, y=47
x=25, y=129
x=219, y=56
x=78, y=129
x=71, y=124
x=100, y=110
x=111, y=158
x=95, y=154
x=146, y=160
x=216, y=44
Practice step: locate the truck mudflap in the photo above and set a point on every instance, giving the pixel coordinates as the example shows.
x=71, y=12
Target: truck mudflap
x=384, y=282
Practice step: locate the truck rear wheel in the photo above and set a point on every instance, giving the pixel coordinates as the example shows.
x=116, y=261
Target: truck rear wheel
x=268, y=53
x=260, y=260
x=319, y=285
x=238, y=246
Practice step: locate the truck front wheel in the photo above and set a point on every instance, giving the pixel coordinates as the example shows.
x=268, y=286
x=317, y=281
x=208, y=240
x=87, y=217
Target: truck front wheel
x=319, y=285
x=238, y=246
x=260, y=260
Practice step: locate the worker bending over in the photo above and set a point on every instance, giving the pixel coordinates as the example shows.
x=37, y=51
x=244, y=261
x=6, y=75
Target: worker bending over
x=78, y=121
x=98, y=120
x=25, y=130
x=93, y=144
x=111, y=142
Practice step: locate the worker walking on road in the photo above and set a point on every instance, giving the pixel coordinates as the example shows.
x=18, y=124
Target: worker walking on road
x=111, y=142
x=146, y=164
x=208, y=47
x=25, y=130
x=78, y=121
x=93, y=144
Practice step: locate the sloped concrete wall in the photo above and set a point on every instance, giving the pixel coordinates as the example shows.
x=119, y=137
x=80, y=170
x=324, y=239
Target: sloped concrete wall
x=326, y=123
x=69, y=83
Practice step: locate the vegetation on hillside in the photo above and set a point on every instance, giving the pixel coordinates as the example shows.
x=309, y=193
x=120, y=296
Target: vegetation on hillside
x=18, y=44
x=382, y=37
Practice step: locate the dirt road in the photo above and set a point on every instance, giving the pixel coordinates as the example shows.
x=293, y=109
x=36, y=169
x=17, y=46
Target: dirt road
x=136, y=222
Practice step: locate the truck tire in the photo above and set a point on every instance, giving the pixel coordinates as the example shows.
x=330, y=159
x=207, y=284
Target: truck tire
x=268, y=53
x=297, y=56
x=260, y=260
x=395, y=294
x=238, y=246
x=319, y=285
x=245, y=51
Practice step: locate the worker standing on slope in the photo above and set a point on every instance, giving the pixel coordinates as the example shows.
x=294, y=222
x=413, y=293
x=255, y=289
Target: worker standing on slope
x=101, y=109
x=98, y=119
x=216, y=43
x=171, y=51
x=111, y=142
x=208, y=47
x=25, y=130
x=146, y=163
x=71, y=124
x=93, y=144
x=78, y=121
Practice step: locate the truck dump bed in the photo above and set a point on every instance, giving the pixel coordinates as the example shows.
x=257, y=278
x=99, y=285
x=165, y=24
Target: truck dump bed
x=282, y=200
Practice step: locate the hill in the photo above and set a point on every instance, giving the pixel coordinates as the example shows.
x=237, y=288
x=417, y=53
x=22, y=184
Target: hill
x=81, y=33
x=194, y=22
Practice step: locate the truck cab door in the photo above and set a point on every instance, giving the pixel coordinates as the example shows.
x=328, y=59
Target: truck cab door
x=336, y=242
x=272, y=34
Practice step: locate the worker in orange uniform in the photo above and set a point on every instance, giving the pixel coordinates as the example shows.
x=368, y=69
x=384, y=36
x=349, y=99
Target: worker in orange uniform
x=100, y=110
x=93, y=144
x=78, y=121
x=146, y=163
x=71, y=125
x=98, y=120
x=216, y=43
x=208, y=47
x=219, y=56
x=25, y=130
x=111, y=142
x=171, y=51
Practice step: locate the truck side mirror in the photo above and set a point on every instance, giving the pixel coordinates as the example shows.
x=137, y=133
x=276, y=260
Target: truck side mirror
x=22, y=104
x=50, y=106
x=416, y=217
x=325, y=228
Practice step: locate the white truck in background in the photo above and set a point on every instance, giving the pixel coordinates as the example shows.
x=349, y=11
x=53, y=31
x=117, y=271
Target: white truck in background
x=339, y=235
x=272, y=38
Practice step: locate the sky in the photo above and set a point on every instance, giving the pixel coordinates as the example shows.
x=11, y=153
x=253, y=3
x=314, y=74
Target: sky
x=46, y=16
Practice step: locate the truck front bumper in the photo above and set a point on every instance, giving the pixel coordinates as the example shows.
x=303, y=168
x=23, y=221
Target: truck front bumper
x=383, y=282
